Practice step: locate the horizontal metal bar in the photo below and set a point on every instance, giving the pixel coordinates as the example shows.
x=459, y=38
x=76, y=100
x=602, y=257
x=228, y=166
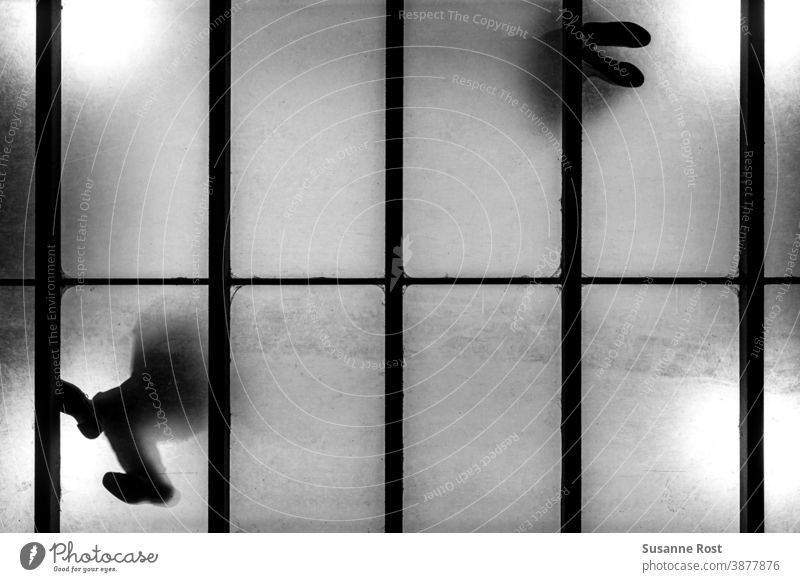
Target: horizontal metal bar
x=406, y=281
x=308, y=281
x=688, y=280
x=73, y=282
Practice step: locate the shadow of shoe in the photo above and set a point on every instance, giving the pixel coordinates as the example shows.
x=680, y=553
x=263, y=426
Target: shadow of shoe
x=163, y=400
x=135, y=489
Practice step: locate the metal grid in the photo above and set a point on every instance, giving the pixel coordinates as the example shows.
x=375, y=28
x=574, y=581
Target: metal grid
x=49, y=282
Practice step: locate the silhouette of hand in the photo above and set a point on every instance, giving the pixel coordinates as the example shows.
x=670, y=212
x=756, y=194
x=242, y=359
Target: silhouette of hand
x=594, y=35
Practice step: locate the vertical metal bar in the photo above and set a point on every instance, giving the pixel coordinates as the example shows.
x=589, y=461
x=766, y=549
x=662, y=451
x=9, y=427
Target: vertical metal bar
x=47, y=301
x=571, y=299
x=394, y=269
x=219, y=264
x=751, y=267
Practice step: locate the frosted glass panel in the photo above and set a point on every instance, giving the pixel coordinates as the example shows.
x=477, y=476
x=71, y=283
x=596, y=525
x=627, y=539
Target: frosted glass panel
x=660, y=409
x=482, y=151
x=307, y=409
x=782, y=139
x=17, y=60
x=135, y=138
x=782, y=409
x=660, y=178
x=138, y=352
x=16, y=410
x=482, y=409
x=308, y=129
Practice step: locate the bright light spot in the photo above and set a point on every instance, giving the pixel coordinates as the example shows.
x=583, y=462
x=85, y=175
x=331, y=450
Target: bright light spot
x=712, y=29
x=710, y=434
x=101, y=34
x=781, y=472
x=781, y=43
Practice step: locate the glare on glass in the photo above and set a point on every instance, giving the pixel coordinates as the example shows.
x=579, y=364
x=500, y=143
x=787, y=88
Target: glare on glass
x=135, y=138
x=661, y=162
x=781, y=408
x=660, y=409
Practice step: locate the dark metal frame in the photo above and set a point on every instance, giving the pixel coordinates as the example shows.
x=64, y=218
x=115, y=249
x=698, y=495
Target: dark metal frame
x=394, y=270
x=47, y=294
x=571, y=264
x=49, y=281
x=751, y=268
x=219, y=267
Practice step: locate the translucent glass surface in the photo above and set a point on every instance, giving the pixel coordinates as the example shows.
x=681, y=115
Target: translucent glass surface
x=660, y=409
x=482, y=124
x=135, y=137
x=482, y=409
x=151, y=341
x=308, y=130
x=16, y=410
x=660, y=177
x=307, y=409
x=17, y=60
x=782, y=139
x=781, y=409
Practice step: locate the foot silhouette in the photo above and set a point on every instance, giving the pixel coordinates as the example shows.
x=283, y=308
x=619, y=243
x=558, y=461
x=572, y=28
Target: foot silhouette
x=164, y=399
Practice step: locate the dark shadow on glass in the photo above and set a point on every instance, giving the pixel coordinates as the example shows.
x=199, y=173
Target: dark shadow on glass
x=164, y=399
x=545, y=57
